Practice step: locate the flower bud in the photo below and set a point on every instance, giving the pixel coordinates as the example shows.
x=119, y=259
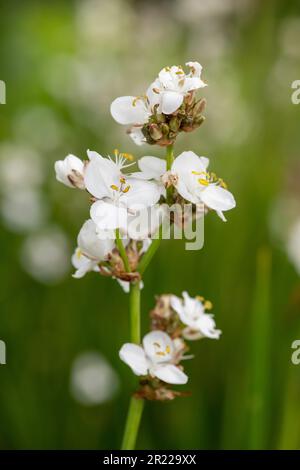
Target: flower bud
x=199, y=107
x=155, y=132
x=70, y=172
x=174, y=123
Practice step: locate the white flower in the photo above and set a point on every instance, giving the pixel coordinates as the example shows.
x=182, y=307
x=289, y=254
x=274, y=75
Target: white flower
x=195, y=184
x=192, y=314
x=173, y=84
x=190, y=176
x=70, y=172
x=93, y=247
x=117, y=194
x=166, y=93
x=156, y=357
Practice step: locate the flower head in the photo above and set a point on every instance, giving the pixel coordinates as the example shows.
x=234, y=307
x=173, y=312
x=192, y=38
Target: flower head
x=173, y=84
x=195, y=184
x=158, y=357
x=191, y=312
x=116, y=194
x=168, y=106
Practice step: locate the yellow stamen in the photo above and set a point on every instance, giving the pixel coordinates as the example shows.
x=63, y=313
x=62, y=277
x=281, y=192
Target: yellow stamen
x=203, y=181
x=122, y=179
x=116, y=152
x=168, y=349
x=199, y=297
x=126, y=189
x=128, y=156
x=114, y=187
x=208, y=305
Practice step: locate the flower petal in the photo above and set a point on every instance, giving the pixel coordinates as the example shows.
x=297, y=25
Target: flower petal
x=108, y=216
x=188, y=161
x=134, y=356
x=94, y=244
x=207, y=325
x=218, y=198
x=152, y=167
x=100, y=174
x=176, y=304
x=129, y=110
x=170, y=374
x=141, y=194
x=171, y=101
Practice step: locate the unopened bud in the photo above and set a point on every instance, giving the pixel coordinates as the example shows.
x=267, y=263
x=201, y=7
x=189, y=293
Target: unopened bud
x=174, y=124
x=165, y=129
x=155, y=132
x=199, y=120
x=199, y=107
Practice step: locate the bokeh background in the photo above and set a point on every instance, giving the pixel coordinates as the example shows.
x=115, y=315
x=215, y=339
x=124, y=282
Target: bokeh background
x=63, y=62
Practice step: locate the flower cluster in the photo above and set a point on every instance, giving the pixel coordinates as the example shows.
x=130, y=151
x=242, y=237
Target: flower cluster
x=118, y=235
x=158, y=359
x=168, y=107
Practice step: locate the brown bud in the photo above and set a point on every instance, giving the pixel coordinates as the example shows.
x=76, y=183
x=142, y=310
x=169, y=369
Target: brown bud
x=199, y=120
x=155, y=132
x=199, y=107
x=174, y=124
x=164, y=128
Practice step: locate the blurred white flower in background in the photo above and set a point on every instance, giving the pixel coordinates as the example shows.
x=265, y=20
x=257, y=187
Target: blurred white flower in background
x=20, y=167
x=289, y=37
x=24, y=210
x=115, y=17
x=23, y=207
x=293, y=245
x=192, y=11
x=40, y=127
x=45, y=255
x=93, y=380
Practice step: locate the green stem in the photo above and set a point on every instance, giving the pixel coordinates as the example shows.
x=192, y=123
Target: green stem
x=132, y=423
x=122, y=251
x=260, y=366
x=169, y=156
x=136, y=404
x=170, y=159
x=147, y=257
x=135, y=313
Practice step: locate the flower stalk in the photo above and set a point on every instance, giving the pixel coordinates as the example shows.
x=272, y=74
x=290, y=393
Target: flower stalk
x=136, y=404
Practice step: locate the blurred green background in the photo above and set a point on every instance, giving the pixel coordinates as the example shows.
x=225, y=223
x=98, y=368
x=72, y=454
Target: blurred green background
x=63, y=62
